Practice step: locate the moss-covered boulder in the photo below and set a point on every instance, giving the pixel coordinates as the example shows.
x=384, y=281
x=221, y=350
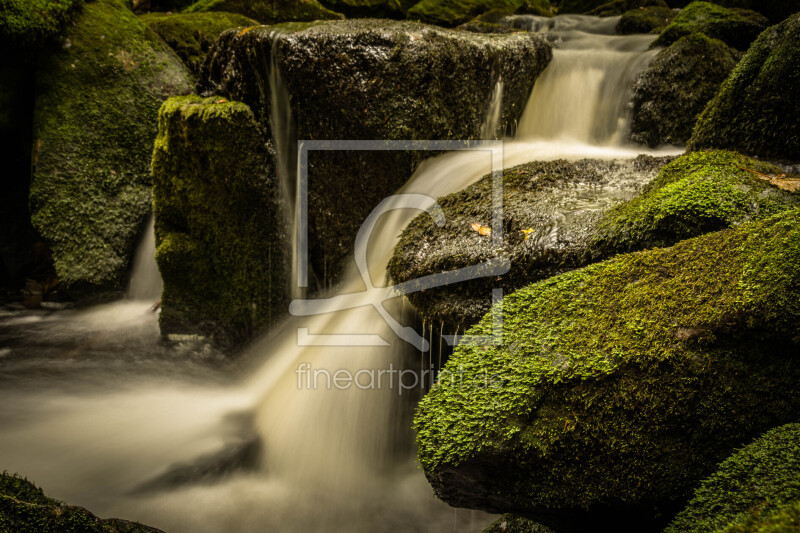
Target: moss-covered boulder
x=616, y=388
x=95, y=119
x=675, y=87
x=269, y=11
x=509, y=523
x=394, y=9
x=494, y=21
x=755, y=110
x=24, y=508
x=550, y=210
x=191, y=35
x=454, y=12
x=30, y=23
x=393, y=80
x=651, y=19
x=774, y=10
x=759, y=484
x=605, y=8
x=736, y=27
x=219, y=227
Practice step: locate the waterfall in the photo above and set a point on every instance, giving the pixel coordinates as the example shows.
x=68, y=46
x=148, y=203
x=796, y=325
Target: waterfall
x=584, y=94
x=491, y=121
x=145, y=283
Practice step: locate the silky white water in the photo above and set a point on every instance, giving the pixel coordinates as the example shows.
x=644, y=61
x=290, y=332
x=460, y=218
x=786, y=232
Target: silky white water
x=91, y=429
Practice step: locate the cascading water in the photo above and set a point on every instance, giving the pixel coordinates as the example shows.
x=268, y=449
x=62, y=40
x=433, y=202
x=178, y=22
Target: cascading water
x=333, y=460
x=145, y=281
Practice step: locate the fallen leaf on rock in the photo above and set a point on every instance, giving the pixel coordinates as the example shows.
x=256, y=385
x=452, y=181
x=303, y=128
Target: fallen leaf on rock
x=527, y=233
x=481, y=229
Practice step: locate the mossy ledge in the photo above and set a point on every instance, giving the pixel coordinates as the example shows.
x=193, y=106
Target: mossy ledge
x=757, y=486
x=221, y=244
x=618, y=387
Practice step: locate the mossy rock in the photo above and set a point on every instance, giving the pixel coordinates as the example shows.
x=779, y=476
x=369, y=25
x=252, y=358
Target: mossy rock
x=394, y=9
x=616, y=388
x=696, y=194
x=269, y=11
x=161, y=5
x=560, y=201
x=651, y=19
x=675, y=87
x=774, y=10
x=736, y=27
x=220, y=231
x=451, y=13
x=95, y=119
x=394, y=80
x=509, y=523
x=191, y=35
x=605, y=8
x=31, y=23
x=24, y=508
x=755, y=110
x=542, y=8
x=757, y=486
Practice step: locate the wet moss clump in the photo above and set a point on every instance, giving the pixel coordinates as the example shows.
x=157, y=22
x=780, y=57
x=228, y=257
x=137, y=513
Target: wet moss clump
x=191, y=35
x=756, y=487
x=95, y=119
x=269, y=11
x=755, y=110
x=220, y=234
x=25, y=509
x=736, y=27
x=651, y=19
x=675, y=87
x=616, y=388
x=31, y=23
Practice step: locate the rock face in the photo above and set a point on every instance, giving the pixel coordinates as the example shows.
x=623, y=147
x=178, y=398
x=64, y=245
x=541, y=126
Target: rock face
x=579, y=214
x=269, y=11
x=560, y=201
x=393, y=80
x=754, y=111
x=675, y=88
x=25, y=509
x=616, y=388
x=736, y=27
x=219, y=232
x=454, y=12
x=94, y=123
x=191, y=35
x=754, y=488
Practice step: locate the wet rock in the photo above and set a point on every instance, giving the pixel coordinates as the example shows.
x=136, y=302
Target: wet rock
x=736, y=27
x=454, y=12
x=191, y=35
x=755, y=489
x=221, y=246
x=95, y=119
x=676, y=86
x=24, y=508
x=269, y=11
x=754, y=111
x=589, y=414
x=392, y=80
x=651, y=19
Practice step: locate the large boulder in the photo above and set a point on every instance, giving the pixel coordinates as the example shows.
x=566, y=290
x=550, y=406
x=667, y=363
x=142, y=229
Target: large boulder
x=221, y=247
x=774, y=10
x=95, y=119
x=30, y=23
x=651, y=19
x=269, y=11
x=580, y=212
x=675, y=87
x=24, y=508
x=456, y=12
x=736, y=27
x=755, y=487
x=191, y=35
x=616, y=388
x=393, y=80
x=755, y=110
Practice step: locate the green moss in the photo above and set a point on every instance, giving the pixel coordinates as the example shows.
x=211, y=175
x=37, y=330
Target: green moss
x=542, y=8
x=95, y=119
x=30, y=23
x=755, y=110
x=645, y=20
x=736, y=27
x=220, y=236
x=509, y=523
x=621, y=385
x=454, y=12
x=675, y=87
x=191, y=35
x=748, y=488
x=395, y=9
x=604, y=8
x=269, y=11
x=784, y=520
x=774, y=10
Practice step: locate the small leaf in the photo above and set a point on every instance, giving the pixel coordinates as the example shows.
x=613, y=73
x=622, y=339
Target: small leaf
x=527, y=233
x=481, y=229
x=245, y=31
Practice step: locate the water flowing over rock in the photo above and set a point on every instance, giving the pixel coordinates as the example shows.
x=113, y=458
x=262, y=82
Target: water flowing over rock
x=392, y=80
x=617, y=387
x=95, y=120
x=754, y=111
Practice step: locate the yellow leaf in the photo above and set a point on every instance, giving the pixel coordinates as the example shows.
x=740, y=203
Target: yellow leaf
x=483, y=230
x=527, y=233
